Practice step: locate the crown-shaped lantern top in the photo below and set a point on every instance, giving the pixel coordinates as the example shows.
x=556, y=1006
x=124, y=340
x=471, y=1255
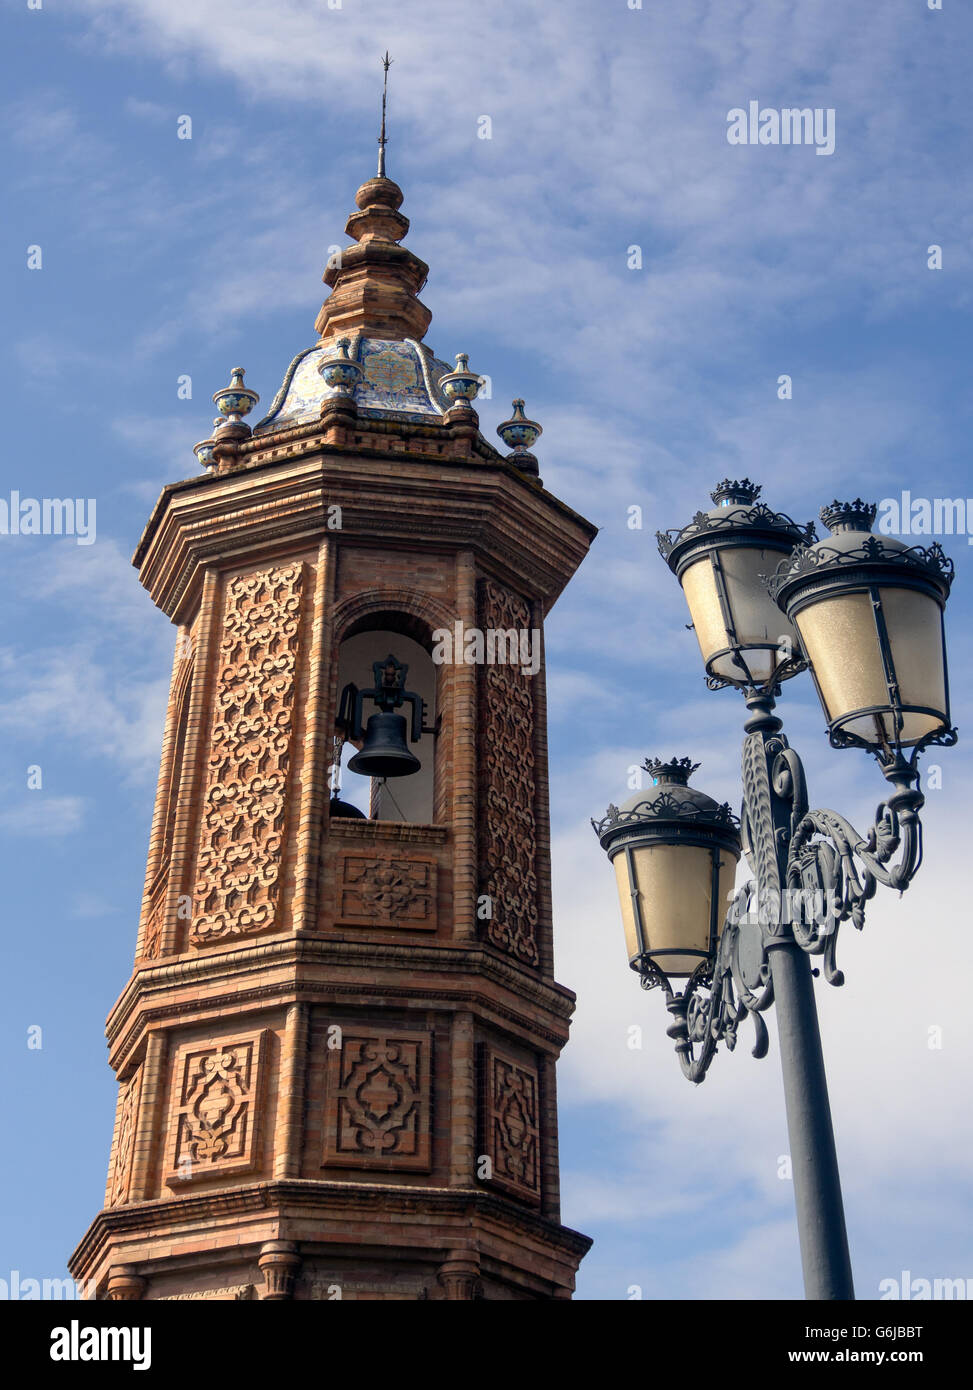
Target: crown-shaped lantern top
x=676, y=772
x=848, y=516
x=736, y=492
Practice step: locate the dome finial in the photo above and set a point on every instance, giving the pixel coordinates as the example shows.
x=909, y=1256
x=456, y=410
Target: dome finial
x=519, y=433
x=461, y=387
x=382, y=139
x=375, y=285
x=233, y=402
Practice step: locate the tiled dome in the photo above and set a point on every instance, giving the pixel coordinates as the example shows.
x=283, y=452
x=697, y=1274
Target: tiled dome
x=399, y=379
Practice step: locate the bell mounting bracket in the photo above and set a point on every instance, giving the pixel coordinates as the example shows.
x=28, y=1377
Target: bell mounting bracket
x=389, y=694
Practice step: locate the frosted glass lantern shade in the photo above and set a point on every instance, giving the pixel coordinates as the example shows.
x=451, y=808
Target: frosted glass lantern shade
x=842, y=641
x=675, y=892
x=764, y=637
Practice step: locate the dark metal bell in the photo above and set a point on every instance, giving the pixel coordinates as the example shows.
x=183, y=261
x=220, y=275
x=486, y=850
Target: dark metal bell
x=385, y=752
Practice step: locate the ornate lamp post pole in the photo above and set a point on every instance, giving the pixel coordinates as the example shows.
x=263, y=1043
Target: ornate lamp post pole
x=767, y=600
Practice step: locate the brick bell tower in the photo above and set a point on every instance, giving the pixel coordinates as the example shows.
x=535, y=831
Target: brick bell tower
x=336, y=1052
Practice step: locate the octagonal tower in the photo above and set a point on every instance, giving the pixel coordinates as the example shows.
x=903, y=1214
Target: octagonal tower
x=336, y=1051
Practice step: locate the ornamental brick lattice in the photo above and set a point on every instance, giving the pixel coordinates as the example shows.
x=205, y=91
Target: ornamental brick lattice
x=242, y=846
x=336, y=1051
x=507, y=821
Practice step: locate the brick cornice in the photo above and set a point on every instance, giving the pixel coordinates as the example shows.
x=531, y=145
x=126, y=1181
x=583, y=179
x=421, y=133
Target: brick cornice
x=300, y=1196
x=432, y=503
x=536, y=1007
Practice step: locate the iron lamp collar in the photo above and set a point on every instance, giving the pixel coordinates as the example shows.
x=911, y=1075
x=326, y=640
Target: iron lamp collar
x=738, y=518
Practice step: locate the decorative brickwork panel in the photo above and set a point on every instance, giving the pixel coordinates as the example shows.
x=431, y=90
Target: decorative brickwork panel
x=244, y=811
x=128, y=1115
x=215, y=1108
x=387, y=891
x=379, y=1100
x=507, y=832
x=509, y=1134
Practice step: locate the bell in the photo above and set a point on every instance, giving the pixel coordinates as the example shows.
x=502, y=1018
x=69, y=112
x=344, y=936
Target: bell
x=385, y=752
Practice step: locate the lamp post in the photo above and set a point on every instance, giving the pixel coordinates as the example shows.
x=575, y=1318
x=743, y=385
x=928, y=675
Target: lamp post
x=768, y=600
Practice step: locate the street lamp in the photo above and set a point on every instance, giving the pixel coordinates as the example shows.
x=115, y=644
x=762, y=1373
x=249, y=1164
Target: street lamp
x=768, y=600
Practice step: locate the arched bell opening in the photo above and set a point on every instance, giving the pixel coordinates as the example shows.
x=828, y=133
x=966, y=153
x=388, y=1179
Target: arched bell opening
x=387, y=705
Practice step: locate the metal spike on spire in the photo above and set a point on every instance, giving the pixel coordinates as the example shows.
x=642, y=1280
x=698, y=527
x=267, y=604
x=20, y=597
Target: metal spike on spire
x=382, y=140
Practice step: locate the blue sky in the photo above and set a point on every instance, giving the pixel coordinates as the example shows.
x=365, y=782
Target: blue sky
x=164, y=257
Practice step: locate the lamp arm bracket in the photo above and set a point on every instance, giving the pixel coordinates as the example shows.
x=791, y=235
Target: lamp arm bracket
x=833, y=871
x=716, y=999
x=813, y=868
x=746, y=950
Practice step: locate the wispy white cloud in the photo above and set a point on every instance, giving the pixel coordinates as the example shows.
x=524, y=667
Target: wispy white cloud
x=147, y=110
x=631, y=132
x=67, y=699
x=38, y=814
x=80, y=690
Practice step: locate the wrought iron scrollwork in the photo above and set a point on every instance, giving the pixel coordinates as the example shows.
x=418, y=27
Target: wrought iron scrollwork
x=833, y=871
x=718, y=997
x=756, y=515
x=807, y=559
x=812, y=871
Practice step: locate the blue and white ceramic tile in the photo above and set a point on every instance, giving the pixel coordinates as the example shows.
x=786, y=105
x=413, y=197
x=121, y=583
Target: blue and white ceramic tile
x=398, y=379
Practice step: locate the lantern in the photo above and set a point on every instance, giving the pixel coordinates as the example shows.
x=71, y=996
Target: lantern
x=719, y=559
x=869, y=610
x=675, y=852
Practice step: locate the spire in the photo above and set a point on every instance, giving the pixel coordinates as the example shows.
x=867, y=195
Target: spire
x=375, y=284
x=382, y=140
